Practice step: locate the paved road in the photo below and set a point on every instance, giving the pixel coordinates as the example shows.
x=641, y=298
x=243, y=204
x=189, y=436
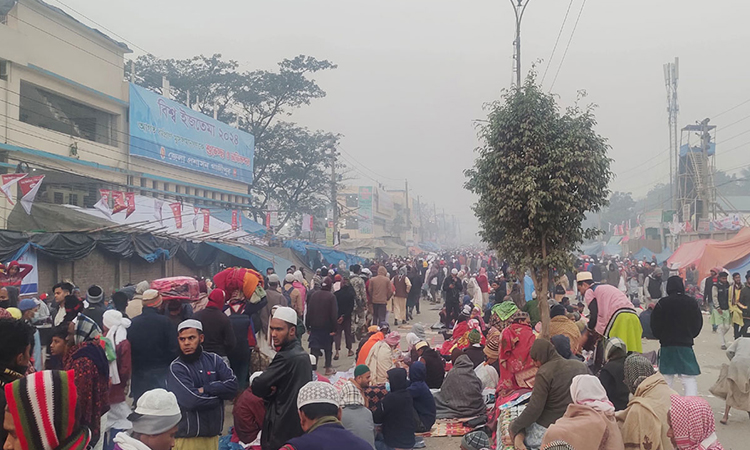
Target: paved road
x=733, y=436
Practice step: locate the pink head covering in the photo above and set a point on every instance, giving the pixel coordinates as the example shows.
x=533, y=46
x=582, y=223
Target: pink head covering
x=393, y=338
x=693, y=424
x=587, y=390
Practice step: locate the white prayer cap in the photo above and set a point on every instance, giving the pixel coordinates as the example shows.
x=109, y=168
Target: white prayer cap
x=287, y=314
x=190, y=323
x=318, y=392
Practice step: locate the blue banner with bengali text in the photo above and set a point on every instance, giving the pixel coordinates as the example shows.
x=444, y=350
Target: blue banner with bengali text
x=167, y=131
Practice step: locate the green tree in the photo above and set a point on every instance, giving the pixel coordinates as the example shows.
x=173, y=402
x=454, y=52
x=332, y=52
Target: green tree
x=291, y=162
x=537, y=174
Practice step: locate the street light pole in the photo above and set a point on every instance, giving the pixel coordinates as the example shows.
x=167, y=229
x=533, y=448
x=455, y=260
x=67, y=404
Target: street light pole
x=519, y=6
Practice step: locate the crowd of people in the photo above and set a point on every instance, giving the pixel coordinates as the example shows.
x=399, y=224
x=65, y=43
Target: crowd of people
x=133, y=371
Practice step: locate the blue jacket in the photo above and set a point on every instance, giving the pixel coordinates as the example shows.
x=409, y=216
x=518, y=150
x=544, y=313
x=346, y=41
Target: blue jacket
x=329, y=436
x=202, y=413
x=424, y=402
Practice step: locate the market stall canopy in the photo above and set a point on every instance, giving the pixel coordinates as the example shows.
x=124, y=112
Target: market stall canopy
x=722, y=253
x=648, y=254
x=688, y=254
x=372, y=247
x=311, y=254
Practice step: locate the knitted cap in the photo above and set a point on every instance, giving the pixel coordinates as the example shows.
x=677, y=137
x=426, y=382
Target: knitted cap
x=475, y=336
x=151, y=298
x=94, y=294
x=361, y=370
x=476, y=440
x=318, y=392
x=43, y=407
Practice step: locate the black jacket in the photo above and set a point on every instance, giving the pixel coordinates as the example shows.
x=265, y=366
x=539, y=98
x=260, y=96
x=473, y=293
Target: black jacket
x=243, y=329
x=95, y=312
x=153, y=341
x=202, y=412
x=677, y=318
x=435, y=365
x=345, y=300
x=288, y=372
x=612, y=377
x=217, y=329
x=396, y=412
x=645, y=319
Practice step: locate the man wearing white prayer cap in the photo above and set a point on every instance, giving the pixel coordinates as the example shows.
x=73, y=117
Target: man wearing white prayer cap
x=154, y=422
x=282, y=380
x=201, y=381
x=319, y=406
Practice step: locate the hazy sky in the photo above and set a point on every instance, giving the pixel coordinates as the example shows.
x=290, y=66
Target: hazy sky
x=413, y=74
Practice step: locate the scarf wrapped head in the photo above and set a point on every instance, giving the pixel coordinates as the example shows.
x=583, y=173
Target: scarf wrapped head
x=614, y=347
x=558, y=445
x=216, y=298
x=543, y=351
x=637, y=369
x=350, y=395
x=504, y=310
x=393, y=338
x=43, y=407
x=412, y=339
x=587, y=390
x=117, y=331
x=418, y=329
x=86, y=330
x=693, y=424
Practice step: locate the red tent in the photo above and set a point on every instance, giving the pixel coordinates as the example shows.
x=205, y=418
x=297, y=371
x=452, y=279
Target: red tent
x=721, y=253
x=688, y=254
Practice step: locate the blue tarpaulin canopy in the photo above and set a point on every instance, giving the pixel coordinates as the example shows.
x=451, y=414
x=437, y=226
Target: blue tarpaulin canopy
x=331, y=256
x=646, y=253
x=259, y=258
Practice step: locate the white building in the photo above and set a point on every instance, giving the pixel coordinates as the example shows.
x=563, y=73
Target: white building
x=64, y=111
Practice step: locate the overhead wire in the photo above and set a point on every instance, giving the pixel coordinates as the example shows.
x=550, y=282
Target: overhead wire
x=562, y=60
x=557, y=41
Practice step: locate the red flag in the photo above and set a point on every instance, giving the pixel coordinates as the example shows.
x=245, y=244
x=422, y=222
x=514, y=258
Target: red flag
x=239, y=219
x=9, y=180
x=234, y=220
x=206, y=220
x=268, y=219
x=29, y=188
x=177, y=212
x=130, y=202
x=119, y=202
x=103, y=203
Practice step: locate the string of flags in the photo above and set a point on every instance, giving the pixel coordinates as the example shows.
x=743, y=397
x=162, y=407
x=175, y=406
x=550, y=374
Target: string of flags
x=29, y=188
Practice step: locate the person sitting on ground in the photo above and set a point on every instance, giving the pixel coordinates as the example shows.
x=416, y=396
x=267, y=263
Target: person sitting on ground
x=592, y=411
x=355, y=417
x=319, y=407
x=562, y=346
x=549, y=398
x=612, y=375
x=476, y=440
x=644, y=422
x=34, y=420
x=367, y=342
x=424, y=402
x=561, y=324
x=381, y=360
x=461, y=393
x=475, y=350
x=396, y=414
x=501, y=313
x=691, y=424
x=734, y=378
x=248, y=413
x=433, y=362
x=516, y=369
x=154, y=423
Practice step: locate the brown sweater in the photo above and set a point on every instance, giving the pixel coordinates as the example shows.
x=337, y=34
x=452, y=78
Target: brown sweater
x=551, y=394
x=380, y=288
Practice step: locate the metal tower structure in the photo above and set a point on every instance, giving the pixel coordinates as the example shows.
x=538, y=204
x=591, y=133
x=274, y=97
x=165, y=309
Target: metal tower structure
x=696, y=165
x=671, y=75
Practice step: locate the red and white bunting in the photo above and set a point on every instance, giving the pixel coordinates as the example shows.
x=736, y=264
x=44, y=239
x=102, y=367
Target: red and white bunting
x=307, y=223
x=234, y=220
x=206, y=220
x=103, y=203
x=130, y=203
x=8, y=181
x=29, y=188
x=118, y=198
x=177, y=213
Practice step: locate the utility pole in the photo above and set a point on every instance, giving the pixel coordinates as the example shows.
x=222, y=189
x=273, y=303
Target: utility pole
x=334, y=193
x=519, y=6
x=408, y=210
x=421, y=226
x=671, y=75
x=437, y=225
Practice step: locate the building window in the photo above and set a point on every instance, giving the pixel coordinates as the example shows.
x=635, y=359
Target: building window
x=73, y=199
x=4, y=65
x=57, y=198
x=351, y=223
x=45, y=109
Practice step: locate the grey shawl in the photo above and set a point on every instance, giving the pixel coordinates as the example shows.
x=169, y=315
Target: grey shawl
x=460, y=395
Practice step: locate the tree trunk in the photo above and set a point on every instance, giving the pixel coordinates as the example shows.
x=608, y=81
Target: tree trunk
x=542, y=303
